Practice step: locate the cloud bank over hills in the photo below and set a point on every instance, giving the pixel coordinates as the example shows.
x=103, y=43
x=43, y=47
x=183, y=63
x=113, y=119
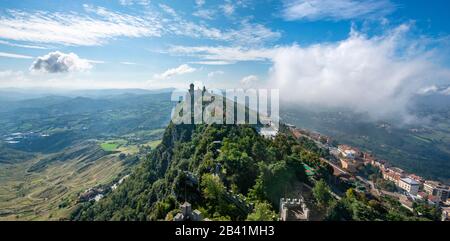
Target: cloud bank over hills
x=378, y=75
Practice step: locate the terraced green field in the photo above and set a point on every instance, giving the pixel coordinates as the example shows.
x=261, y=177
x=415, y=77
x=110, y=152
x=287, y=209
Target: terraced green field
x=52, y=193
x=112, y=145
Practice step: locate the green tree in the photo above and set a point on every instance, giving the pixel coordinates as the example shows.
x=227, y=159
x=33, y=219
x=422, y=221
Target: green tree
x=338, y=211
x=257, y=192
x=277, y=180
x=212, y=187
x=295, y=165
x=321, y=193
x=430, y=212
x=262, y=212
x=362, y=212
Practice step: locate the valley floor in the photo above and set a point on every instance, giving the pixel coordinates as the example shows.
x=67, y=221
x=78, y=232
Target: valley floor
x=52, y=193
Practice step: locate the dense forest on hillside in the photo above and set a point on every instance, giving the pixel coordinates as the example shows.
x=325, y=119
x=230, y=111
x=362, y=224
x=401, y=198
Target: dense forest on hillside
x=205, y=164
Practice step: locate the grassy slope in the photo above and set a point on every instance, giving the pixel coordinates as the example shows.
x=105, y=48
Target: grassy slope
x=36, y=196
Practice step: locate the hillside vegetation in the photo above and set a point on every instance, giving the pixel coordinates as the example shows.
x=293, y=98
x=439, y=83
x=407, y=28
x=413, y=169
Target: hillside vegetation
x=229, y=172
x=203, y=164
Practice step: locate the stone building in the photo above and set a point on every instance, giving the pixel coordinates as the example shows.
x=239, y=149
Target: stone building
x=294, y=210
x=187, y=214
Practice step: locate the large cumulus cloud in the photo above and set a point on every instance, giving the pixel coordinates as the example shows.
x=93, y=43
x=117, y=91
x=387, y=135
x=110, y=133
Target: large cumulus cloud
x=58, y=62
x=377, y=75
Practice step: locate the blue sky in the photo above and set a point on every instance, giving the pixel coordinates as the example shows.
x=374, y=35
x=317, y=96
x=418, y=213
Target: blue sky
x=156, y=44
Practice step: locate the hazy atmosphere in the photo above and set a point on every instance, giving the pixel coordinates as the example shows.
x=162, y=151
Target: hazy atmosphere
x=126, y=110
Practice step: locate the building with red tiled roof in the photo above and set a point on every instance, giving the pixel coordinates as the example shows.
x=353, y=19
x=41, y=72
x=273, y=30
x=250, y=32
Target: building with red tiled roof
x=436, y=189
x=392, y=176
x=381, y=164
x=350, y=164
x=349, y=152
x=416, y=178
x=435, y=200
x=423, y=195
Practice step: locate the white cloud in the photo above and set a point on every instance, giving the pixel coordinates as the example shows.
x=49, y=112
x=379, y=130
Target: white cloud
x=9, y=75
x=199, y=3
x=251, y=34
x=377, y=75
x=215, y=73
x=13, y=79
x=433, y=89
x=246, y=34
x=128, y=63
x=249, y=81
x=96, y=28
x=18, y=79
x=57, y=62
x=79, y=80
x=446, y=91
x=335, y=9
x=132, y=2
x=91, y=61
x=15, y=56
x=228, y=9
x=98, y=25
x=212, y=62
x=428, y=90
x=223, y=55
x=180, y=70
x=168, y=10
x=22, y=45
x=205, y=13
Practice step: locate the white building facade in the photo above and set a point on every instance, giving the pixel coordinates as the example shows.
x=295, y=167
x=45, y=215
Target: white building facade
x=409, y=185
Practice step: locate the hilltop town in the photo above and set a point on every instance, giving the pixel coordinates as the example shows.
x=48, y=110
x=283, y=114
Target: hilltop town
x=351, y=166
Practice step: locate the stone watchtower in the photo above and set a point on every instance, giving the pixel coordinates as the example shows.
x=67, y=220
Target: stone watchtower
x=294, y=210
x=191, y=88
x=191, y=93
